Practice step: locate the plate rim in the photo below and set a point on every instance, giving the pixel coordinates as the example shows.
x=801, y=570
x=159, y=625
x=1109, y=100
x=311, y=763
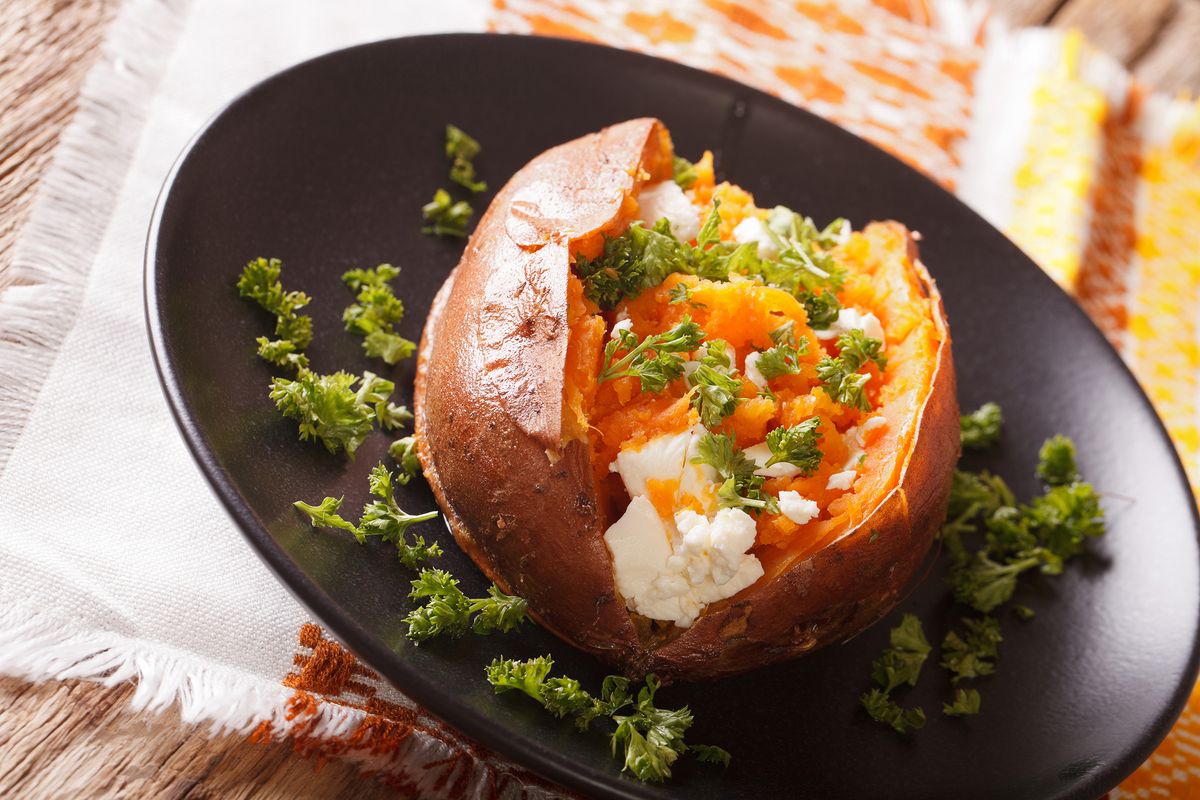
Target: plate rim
x=534, y=755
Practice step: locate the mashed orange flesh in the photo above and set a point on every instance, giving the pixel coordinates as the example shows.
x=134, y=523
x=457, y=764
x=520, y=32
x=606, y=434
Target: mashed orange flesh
x=744, y=312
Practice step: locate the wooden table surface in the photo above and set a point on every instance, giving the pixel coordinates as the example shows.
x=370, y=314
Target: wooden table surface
x=75, y=739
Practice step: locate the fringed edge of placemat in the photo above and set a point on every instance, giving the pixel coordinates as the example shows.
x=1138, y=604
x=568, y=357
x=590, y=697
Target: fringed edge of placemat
x=64, y=231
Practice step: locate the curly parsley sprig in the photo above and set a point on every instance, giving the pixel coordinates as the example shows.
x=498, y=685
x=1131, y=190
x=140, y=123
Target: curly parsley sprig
x=375, y=313
x=741, y=488
x=445, y=216
x=899, y=665
x=981, y=428
x=448, y=612
x=840, y=376
x=462, y=149
x=656, y=360
x=797, y=445
x=650, y=739
x=381, y=518
x=714, y=385
x=259, y=281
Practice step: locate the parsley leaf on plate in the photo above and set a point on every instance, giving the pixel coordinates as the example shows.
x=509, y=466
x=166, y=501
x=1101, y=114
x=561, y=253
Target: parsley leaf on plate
x=1056, y=462
x=381, y=517
x=375, y=313
x=259, y=281
x=404, y=452
x=982, y=427
x=449, y=612
x=973, y=654
x=966, y=702
x=648, y=739
x=462, y=149
x=326, y=407
x=445, y=217
x=899, y=665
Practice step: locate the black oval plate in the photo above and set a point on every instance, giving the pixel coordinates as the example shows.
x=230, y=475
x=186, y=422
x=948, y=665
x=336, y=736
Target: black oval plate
x=326, y=166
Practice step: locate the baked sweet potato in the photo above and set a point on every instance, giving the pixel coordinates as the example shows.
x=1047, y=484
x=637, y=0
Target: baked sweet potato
x=796, y=382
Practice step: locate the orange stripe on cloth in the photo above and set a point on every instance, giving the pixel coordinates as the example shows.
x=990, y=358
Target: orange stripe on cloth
x=398, y=743
x=1105, y=270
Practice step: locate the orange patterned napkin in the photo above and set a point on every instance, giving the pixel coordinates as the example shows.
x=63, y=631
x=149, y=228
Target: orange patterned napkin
x=1096, y=180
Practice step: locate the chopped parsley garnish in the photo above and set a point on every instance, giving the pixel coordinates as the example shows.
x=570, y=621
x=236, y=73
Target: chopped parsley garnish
x=973, y=653
x=784, y=357
x=840, y=376
x=680, y=293
x=710, y=231
x=631, y=263
x=899, y=665
x=740, y=487
x=656, y=360
x=714, y=389
x=982, y=427
x=404, y=452
x=966, y=702
x=449, y=612
x=797, y=445
x=822, y=307
x=643, y=257
x=650, y=739
x=382, y=518
x=260, y=282
x=1042, y=534
x=375, y=313
x=329, y=408
x=445, y=217
x=1056, y=462
x=685, y=173
x=461, y=149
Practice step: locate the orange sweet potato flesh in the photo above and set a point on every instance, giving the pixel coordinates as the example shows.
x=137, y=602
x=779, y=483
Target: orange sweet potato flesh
x=502, y=393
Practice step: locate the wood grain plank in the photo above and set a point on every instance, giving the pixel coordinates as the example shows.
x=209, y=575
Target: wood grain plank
x=78, y=739
x=1023, y=13
x=1171, y=62
x=47, y=48
x=1122, y=29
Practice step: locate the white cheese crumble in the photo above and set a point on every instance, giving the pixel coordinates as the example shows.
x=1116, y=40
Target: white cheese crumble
x=752, y=229
x=842, y=480
x=753, y=372
x=760, y=454
x=621, y=325
x=850, y=319
x=660, y=458
x=670, y=569
x=798, y=508
x=666, y=199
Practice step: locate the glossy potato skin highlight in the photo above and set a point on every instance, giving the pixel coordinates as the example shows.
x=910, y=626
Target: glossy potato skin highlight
x=488, y=407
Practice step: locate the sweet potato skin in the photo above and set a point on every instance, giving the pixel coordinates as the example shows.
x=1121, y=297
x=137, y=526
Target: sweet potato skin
x=488, y=396
x=525, y=509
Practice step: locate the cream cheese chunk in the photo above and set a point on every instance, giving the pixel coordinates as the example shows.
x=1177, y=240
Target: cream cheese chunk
x=752, y=229
x=798, y=508
x=753, y=372
x=669, y=569
x=666, y=199
x=760, y=454
x=850, y=319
